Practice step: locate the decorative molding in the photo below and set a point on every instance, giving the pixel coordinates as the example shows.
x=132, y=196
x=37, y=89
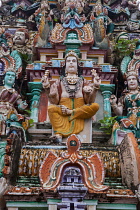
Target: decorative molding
x=92, y=169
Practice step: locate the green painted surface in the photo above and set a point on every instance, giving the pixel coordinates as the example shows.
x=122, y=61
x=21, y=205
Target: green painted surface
x=91, y=202
x=35, y=88
x=107, y=90
x=109, y=206
x=53, y=201
x=24, y=205
x=2, y=153
x=72, y=42
x=27, y=205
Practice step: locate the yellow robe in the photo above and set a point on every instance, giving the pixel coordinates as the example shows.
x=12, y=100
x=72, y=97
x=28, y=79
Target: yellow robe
x=74, y=123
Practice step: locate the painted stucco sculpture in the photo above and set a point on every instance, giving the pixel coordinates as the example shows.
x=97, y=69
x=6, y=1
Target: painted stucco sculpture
x=71, y=178
x=91, y=167
x=44, y=24
x=72, y=99
x=18, y=11
x=133, y=8
x=102, y=26
x=129, y=153
x=72, y=20
x=9, y=97
x=72, y=188
x=21, y=37
x=3, y=188
x=130, y=102
x=22, y=41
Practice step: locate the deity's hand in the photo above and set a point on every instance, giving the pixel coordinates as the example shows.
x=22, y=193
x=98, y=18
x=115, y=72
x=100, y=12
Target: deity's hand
x=97, y=80
x=132, y=3
x=45, y=80
x=113, y=99
x=35, y=104
x=87, y=89
x=53, y=91
x=22, y=105
x=65, y=110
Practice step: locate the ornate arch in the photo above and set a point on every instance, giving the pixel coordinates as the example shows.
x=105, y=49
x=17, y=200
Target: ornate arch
x=91, y=167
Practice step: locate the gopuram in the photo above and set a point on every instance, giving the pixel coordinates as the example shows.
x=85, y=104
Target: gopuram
x=69, y=104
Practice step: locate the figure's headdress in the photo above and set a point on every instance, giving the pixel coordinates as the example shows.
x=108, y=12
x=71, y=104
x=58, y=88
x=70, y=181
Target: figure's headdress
x=71, y=53
x=133, y=68
x=11, y=68
x=11, y=65
x=25, y=31
x=131, y=73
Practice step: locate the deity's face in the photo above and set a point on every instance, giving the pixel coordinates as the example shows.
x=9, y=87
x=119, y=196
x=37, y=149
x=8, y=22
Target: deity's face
x=19, y=38
x=71, y=65
x=132, y=82
x=9, y=78
x=44, y=5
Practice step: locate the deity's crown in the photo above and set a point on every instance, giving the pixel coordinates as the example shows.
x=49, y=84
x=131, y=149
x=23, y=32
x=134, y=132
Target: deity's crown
x=131, y=73
x=71, y=53
x=10, y=68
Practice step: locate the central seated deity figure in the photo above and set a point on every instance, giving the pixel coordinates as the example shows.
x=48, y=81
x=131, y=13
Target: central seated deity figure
x=71, y=99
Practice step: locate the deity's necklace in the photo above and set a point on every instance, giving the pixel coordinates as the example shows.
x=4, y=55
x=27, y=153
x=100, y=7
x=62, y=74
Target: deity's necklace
x=72, y=91
x=133, y=101
x=72, y=80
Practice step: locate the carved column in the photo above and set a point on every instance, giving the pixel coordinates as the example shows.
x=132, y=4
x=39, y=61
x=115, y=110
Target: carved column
x=107, y=90
x=35, y=89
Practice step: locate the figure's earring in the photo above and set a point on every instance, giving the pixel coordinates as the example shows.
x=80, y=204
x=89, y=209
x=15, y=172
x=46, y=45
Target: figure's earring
x=126, y=86
x=3, y=82
x=13, y=85
x=80, y=64
x=125, y=83
x=62, y=63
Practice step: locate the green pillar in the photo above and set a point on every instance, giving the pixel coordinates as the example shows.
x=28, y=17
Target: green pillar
x=107, y=90
x=35, y=89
